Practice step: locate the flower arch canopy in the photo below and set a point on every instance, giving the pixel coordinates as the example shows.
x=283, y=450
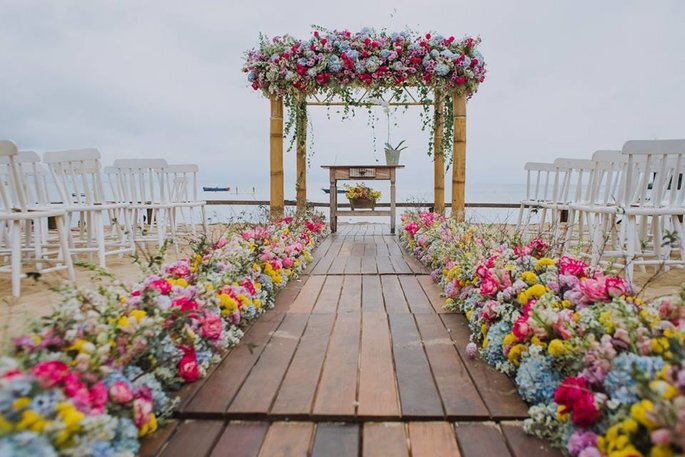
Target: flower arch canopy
x=337, y=62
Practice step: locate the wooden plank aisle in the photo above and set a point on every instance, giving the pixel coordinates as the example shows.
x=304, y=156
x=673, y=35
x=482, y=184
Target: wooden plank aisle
x=357, y=358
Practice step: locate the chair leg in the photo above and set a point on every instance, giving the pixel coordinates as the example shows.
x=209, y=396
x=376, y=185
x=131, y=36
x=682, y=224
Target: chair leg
x=15, y=257
x=64, y=245
x=631, y=247
x=161, y=226
x=99, y=228
x=204, y=219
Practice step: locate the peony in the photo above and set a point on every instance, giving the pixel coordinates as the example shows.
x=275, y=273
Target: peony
x=188, y=368
x=616, y=286
x=573, y=267
x=488, y=287
x=161, y=285
x=120, y=392
x=212, y=326
x=594, y=290
x=98, y=397
x=50, y=373
x=185, y=303
x=521, y=329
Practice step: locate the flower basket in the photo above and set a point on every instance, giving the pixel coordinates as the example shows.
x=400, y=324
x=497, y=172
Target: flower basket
x=362, y=203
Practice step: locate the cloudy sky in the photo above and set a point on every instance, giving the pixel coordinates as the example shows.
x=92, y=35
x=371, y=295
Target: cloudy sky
x=162, y=79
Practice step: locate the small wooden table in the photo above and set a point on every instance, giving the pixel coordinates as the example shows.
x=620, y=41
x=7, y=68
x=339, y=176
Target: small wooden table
x=359, y=172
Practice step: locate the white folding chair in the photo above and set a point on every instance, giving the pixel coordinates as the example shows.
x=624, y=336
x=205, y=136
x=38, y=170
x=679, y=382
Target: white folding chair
x=78, y=178
x=142, y=186
x=538, y=190
x=17, y=216
x=182, y=184
x=651, y=203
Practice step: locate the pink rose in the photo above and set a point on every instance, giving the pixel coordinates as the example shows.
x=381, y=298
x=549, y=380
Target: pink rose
x=220, y=243
x=188, y=368
x=488, y=287
x=142, y=411
x=98, y=397
x=212, y=326
x=522, y=329
x=162, y=285
x=594, y=290
x=570, y=266
x=616, y=286
x=288, y=262
x=120, y=392
x=185, y=303
x=50, y=373
x=661, y=437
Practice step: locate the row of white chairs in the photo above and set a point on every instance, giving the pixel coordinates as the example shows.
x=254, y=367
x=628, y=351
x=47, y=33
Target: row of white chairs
x=626, y=206
x=145, y=200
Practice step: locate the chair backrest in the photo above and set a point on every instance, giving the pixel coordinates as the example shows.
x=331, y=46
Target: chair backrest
x=573, y=178
x=78, y=176
x=654, y=173
x=607, y=177
x=141, y=181
x=12, y=197
x=538, y=180
x=182, y=182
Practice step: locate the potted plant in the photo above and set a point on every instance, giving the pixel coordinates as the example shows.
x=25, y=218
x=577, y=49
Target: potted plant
x=361, y=196
x=392, y=154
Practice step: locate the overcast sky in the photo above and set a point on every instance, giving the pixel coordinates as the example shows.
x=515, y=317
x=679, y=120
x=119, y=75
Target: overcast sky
x=162, y=79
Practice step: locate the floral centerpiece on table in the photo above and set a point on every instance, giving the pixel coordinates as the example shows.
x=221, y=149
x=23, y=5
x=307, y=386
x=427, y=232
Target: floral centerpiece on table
x=362, y=196
x=603, y=371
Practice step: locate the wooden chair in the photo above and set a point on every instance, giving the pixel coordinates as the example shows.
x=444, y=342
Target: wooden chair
x=182, y=184
x=78, y=178
x=19, y=214
x=540, y=178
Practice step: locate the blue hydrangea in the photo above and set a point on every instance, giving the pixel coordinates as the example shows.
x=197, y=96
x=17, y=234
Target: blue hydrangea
x=359, y=66
x=466, y=62
x=493, y=352
x=537, y=379
x=311, y=72
x=372, y=63
x=289, y=75
x=385, y=53
x=334, y=64
x=435, y=53
x=446, y=53
x=274, y=57
x=620, y=382
x=302, y=61
x=26, y=444
x=352, y=54
x=251, y=76
x=442, y=69
x=248, y=312
x=397, y=66
x=45, y=403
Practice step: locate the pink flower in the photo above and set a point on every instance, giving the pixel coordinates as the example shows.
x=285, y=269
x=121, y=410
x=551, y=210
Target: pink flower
x=521, y=329
x=120, y=392
x=412, y=228
x=98, y=397
x=616, y=286
x=185, y=303
x=221, y=242
x=188, y=368
x=249, y=286
x=471, y=350
x=50, y=373
x=161, y=285
x=142, y=411
x=570, y=266
x=661, y=436
x=594, y=290
x=212, y=326
x=488, y=287
x=288, y=262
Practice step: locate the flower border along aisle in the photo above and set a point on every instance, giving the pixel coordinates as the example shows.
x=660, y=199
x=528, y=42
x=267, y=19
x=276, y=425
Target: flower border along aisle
x=603, y=371
x=96, y=374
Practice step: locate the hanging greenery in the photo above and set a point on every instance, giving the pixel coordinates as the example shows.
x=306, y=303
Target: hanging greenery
x=336, y=65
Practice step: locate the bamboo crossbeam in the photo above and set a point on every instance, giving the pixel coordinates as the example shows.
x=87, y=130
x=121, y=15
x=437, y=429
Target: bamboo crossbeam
x=459, y=159
x=276, y=158
x=427, y=102
x=438, y=156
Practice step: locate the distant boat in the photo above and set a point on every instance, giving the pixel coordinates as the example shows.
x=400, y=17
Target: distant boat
x=328, y=191
x=216, y=189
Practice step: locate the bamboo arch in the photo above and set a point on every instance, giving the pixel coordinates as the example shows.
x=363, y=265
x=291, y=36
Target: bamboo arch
x=277, y=201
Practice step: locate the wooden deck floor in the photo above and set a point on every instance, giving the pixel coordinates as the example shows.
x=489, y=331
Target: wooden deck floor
x=357, y=359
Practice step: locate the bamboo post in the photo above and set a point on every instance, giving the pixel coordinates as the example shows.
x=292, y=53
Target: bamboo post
x=438, y=156
x=459, y=159
x=301, y=135
x=276, y=202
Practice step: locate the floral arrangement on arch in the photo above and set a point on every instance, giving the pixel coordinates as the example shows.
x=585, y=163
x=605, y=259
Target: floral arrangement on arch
x=361, y=192
x=335, y=63
x=98, y=373
x=603, y=371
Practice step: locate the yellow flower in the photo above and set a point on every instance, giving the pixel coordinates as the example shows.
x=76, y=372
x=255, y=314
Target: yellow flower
x=123, y=322
x=544, y=263
x=661, y=451
x=83, y=346
x=21, y=403
x=562, y=414
x=529, y=277
x=659, y=345
x=228, y=303
x=515, y=352
x=150, y=427
x=31, y=420
x=509, y=339
x=538, y=342
x=664, y=389
x=257, y=303
x=122, y=299
x=557, y=348
x=5, y=425
x=639, y=411
x=469, y=313
x=566, y=304
x=138, y=314
x=629, y=425
x=606, y=320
